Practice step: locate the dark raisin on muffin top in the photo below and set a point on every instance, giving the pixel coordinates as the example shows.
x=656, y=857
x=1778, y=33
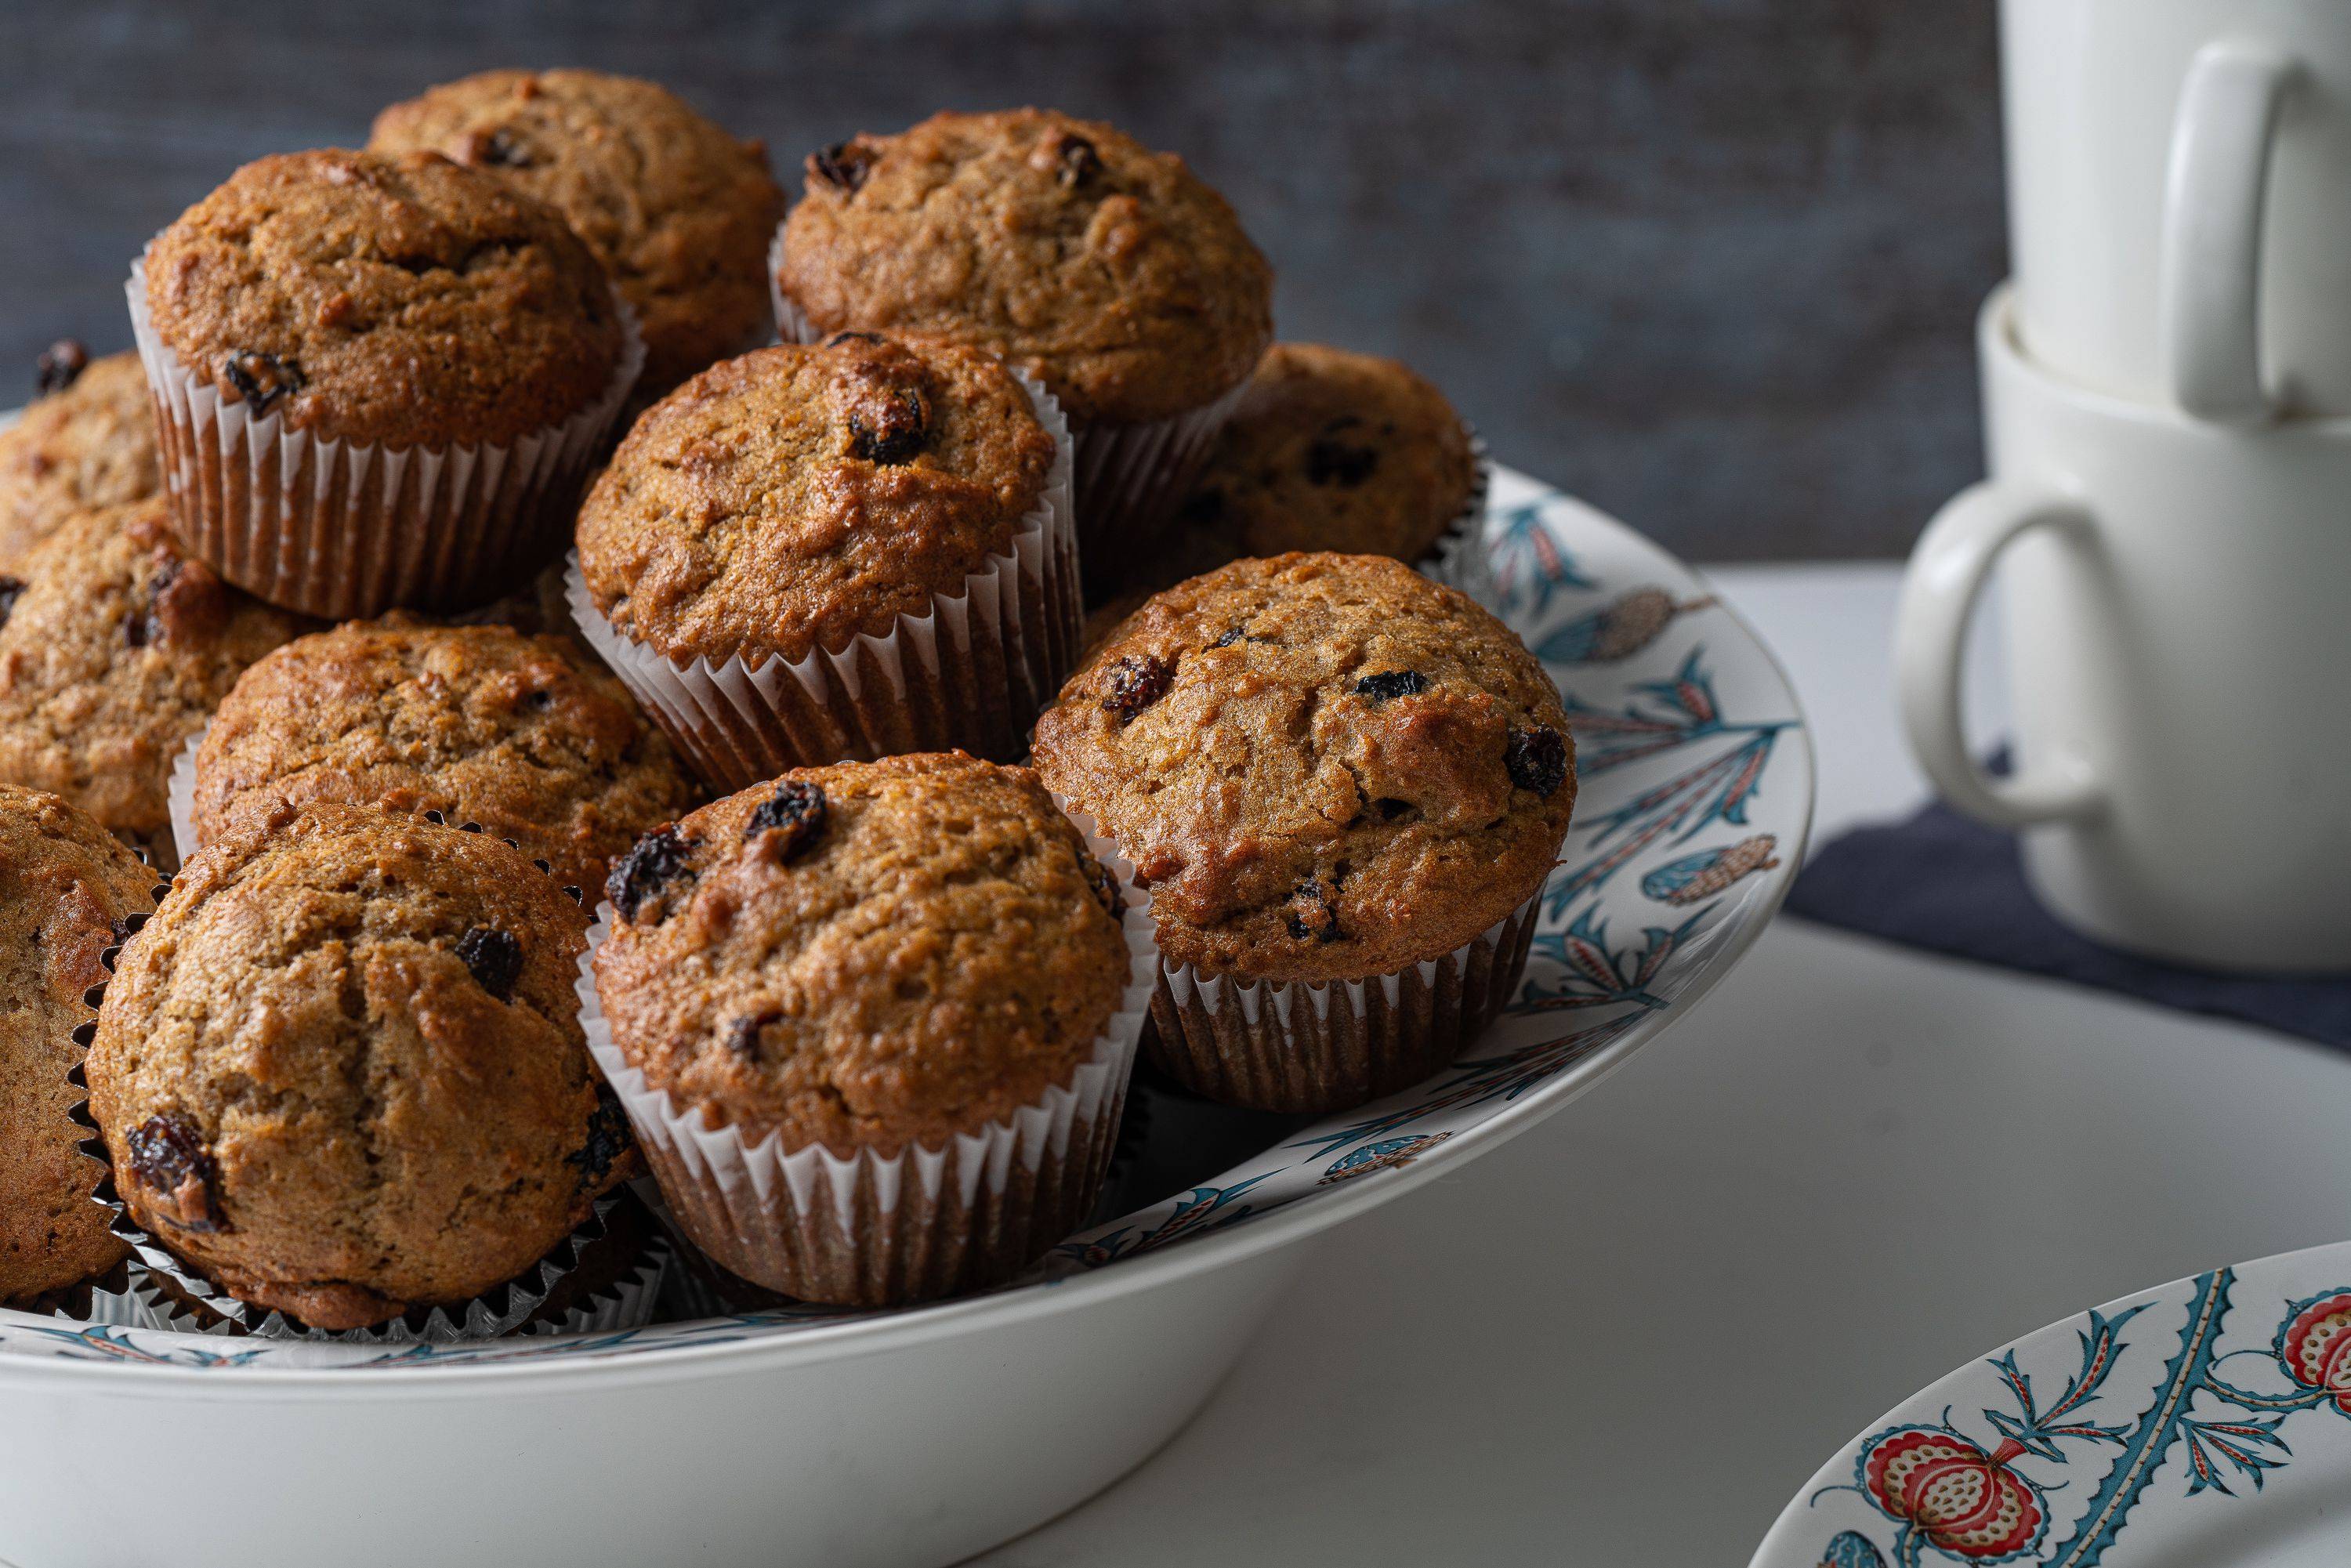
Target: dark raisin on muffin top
x=401, y=301
x=1324, y=767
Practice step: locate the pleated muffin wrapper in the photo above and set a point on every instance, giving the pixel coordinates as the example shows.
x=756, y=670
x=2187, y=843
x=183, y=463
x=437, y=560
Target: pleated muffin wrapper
x=873, y=1230
x=972, y=672
x=1325, y=1046
x=340, y=528
x=1130, y=479
x=1461, y=558
x=119, y=1297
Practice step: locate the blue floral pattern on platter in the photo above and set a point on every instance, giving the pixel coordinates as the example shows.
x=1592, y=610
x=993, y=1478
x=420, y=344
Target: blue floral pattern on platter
x=1695, y=793
x=2179, y=1412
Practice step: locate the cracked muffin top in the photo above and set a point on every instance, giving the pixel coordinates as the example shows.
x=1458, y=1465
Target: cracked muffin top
x=68, y=890
x=1109, y=272
x=864, y=956
x=801, y=495
x=1324, y=767
x=1329, y=450
x=114, y=650
x=520, y=735
x=680, y=212
x=341, y=1073
x=89, y=444
x=403, y=302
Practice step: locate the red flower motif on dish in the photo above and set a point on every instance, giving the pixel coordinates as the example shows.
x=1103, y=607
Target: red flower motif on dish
x=2315, y=1347
x=1966, y=1502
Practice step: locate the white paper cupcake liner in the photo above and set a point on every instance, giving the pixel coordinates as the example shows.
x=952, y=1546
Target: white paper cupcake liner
x=113, y=1297
x=871, y=1229
x=971, y=672
x=342, y=529
x=1462, y=557
x=1321, y=1047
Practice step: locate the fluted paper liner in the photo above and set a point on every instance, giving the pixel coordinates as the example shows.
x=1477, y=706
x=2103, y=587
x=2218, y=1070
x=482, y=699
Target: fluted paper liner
x=342, y=529
x=1129, y=478
x=971, y=672
x=1462, y=557
x=871, y=1229
x=1321, y=1047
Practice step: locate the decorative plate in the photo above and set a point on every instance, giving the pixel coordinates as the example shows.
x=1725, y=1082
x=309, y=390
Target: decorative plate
x=2205, y=1422
x=1695, y=793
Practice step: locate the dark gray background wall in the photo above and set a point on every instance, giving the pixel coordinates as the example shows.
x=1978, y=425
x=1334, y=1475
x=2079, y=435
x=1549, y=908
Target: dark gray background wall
x=1710, y=264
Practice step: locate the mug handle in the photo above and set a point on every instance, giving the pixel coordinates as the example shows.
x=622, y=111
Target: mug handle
x=2209, y=285
x=1946, y=577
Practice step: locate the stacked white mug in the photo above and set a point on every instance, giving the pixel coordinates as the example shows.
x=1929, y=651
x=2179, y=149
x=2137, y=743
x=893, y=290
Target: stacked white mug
x=2166, y=384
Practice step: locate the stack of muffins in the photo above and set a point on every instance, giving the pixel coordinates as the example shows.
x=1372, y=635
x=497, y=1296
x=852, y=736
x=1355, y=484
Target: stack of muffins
x=452, y=539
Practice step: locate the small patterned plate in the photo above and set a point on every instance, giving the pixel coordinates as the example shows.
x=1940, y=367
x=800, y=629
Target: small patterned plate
x=1695, y=796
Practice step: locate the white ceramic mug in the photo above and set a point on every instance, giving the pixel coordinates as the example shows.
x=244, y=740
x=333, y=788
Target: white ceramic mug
x=2175, y=598
x=2179, y=198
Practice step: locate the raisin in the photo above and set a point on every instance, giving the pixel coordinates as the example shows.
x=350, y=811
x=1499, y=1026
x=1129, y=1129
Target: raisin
x=1315, y=911
x=838, y=339
x=742, y=1034
x=609, y=1141
x=169, y=1158
x=1137, y=682
x=844, y=165
x=796, y=812
x=1537, y=760
x=891, y=428
x=1104, y=882
x=651, y=865
x=1333, y=461
x=147, y=626
x=494, y=957
x=1388, y=684
x=1079, y=163
x=60, y=366
x=263, y=381
x=11, y=590
x=1232, y=634
x=499, y=148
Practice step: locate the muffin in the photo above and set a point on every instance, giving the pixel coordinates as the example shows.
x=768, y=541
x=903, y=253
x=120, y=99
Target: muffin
x=517, y=733
x=1111, y=273
x=340, y=1073
x=1327, y=769
x=863, y=961
x=679, y=213
x=69, y=892
x=89, y=440
x=450, y=351
x=853, y=549
x=114, y=650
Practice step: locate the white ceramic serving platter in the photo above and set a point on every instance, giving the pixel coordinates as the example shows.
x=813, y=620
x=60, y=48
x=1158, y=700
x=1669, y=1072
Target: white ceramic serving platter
x=920, y=1436
x=2203, y=1424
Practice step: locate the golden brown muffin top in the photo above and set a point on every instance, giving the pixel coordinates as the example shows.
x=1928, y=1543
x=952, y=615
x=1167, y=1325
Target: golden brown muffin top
x=1324, y=767
x=1329, y=450
x=1109, y=272
x=680, y=212
x=90, y=444
x=521, y=735
x=114, y=650
x=864, y=956
x=68, y=890
x=401, y=301
x=801, y=495
x=341, y=1073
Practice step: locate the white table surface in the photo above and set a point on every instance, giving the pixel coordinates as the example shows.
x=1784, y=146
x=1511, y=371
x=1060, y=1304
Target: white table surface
x=1630, y=1335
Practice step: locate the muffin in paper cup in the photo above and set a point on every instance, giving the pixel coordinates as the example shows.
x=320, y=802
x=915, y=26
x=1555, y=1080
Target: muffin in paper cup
x=1327, y=1046
x=344, y=529
x=875, y=1229
x=968, y=674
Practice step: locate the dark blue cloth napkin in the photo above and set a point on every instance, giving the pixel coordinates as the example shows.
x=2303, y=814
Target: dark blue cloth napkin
x=1949, y=884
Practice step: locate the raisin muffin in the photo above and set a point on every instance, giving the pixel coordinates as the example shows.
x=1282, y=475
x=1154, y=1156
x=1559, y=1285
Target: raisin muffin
x=370, y=302
x=789, y=501
x=679, y=212
x=340, y=1073
x=867, y=958
x=517, y=733
x=87, y=441
x=68, y=890
x=1109, y=272
x=1325, y=768
x=114, y=650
